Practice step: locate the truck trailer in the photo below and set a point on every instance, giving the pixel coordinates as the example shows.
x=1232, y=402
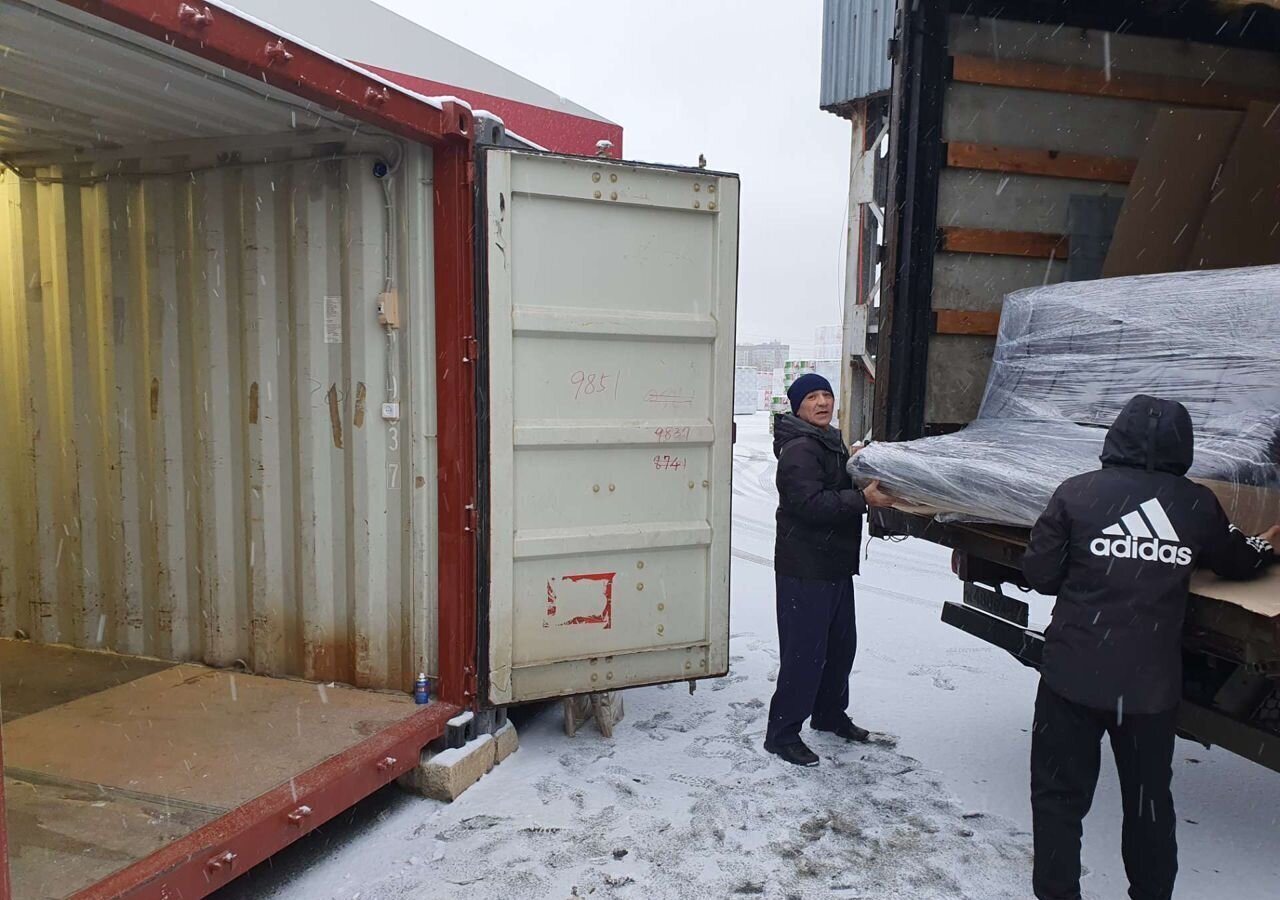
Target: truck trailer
x=1001, y=149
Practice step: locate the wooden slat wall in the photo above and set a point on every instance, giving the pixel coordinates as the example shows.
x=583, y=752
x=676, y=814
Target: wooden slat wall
x=997, y=242
x=1034, y=115
x=1095, y=81
x=958, y=321
x=1030, y=161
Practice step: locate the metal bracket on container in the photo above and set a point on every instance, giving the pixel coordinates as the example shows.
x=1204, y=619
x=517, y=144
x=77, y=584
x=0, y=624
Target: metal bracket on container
x=221, y=861
x=299, y=815
x=276, y=51
x=199, y=18
x=490, y=131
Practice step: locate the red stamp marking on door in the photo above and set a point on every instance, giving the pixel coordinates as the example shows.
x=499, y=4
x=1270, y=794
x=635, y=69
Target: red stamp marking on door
x=580, y=600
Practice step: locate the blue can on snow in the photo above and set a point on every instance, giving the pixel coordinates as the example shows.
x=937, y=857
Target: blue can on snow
x=421, y=691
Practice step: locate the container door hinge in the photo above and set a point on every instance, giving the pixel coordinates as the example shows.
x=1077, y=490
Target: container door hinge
x=470, y=349
x=473, y=517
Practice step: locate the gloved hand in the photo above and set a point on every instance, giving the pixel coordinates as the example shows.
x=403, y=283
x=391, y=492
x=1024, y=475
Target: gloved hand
x=1271, y=536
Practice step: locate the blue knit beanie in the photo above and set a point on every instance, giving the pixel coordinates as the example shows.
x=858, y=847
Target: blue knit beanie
x=805, y=385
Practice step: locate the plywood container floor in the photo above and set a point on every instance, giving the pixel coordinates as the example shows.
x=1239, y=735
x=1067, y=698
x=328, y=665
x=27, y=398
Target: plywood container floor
x=108, y=758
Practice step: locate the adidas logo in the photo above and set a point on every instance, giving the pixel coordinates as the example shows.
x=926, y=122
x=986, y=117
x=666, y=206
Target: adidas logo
x=1146, y=534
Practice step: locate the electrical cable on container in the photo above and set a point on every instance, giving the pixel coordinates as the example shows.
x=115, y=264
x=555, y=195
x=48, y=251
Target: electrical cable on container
x=385, y=173
x=394, y=167
x=393, y=363
x=388, y=213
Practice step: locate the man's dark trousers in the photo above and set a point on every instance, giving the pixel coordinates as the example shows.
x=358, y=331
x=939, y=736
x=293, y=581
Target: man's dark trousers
x=817, y=638
x=1065, y=757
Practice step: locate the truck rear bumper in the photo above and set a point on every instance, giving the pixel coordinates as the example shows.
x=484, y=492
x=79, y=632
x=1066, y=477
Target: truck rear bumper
x=1196, y=721
x=1026, y=646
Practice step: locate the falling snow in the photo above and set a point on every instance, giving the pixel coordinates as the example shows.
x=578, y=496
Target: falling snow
x=683, y=802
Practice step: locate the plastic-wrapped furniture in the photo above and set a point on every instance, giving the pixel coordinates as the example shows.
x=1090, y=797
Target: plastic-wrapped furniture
x=1067, y=359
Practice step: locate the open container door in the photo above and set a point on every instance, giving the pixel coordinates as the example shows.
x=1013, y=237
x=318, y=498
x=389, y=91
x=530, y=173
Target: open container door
x=609, y=291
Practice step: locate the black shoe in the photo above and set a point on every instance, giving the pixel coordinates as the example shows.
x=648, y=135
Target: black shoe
x=797, y=754
x=846, y=730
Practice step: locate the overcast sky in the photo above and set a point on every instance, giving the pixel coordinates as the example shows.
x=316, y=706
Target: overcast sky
x=734, y=79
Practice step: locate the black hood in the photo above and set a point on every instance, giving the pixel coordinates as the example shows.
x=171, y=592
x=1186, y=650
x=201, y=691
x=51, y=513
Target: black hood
x=787, y=427
x=1151, y=434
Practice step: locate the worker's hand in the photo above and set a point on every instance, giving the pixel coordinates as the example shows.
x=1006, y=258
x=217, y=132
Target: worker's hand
x=856, y=449
x=876, y=497
x=1272, y=537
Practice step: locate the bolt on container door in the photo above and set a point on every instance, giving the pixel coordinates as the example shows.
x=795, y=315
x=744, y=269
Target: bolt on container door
x=611, y=291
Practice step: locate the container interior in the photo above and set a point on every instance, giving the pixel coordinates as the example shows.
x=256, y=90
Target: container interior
x=214, y=457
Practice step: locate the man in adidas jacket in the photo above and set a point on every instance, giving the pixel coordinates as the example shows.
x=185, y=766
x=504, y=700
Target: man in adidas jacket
x=1118, y=547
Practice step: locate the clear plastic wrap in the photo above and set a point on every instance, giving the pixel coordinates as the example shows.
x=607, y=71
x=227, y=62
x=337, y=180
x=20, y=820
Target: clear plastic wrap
x=1069, y=357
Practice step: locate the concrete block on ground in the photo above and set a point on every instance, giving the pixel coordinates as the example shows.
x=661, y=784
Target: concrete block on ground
x=446, y=775
x=506, y=741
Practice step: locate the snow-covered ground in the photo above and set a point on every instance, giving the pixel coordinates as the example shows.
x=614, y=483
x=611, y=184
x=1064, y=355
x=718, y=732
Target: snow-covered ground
x=684, y=803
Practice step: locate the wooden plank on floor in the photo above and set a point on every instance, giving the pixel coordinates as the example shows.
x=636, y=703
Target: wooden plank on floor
x=1032, y=244
x=965, y=321
x=200, y=735
x=1094, y=82
x=1033, y=161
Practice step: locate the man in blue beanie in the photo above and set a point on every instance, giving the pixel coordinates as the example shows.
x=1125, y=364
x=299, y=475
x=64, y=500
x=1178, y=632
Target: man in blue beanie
x=815, y=558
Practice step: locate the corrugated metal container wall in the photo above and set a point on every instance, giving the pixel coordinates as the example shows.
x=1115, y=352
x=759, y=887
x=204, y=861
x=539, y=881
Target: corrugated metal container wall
x=195, y=461
x=855, y=50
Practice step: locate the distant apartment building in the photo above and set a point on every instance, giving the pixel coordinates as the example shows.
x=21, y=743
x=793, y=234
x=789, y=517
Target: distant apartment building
x=763, y=357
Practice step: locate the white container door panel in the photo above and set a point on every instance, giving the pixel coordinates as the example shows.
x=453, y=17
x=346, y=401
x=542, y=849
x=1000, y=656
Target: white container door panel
x=611, y=302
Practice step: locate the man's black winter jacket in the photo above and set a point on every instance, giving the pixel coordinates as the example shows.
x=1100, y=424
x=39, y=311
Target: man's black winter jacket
x=1118, y=547
x=819, y=509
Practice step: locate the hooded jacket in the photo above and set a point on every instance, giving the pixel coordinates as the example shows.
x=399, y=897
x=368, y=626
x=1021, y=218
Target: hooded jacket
x=1118, y=546
x=819, y=509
